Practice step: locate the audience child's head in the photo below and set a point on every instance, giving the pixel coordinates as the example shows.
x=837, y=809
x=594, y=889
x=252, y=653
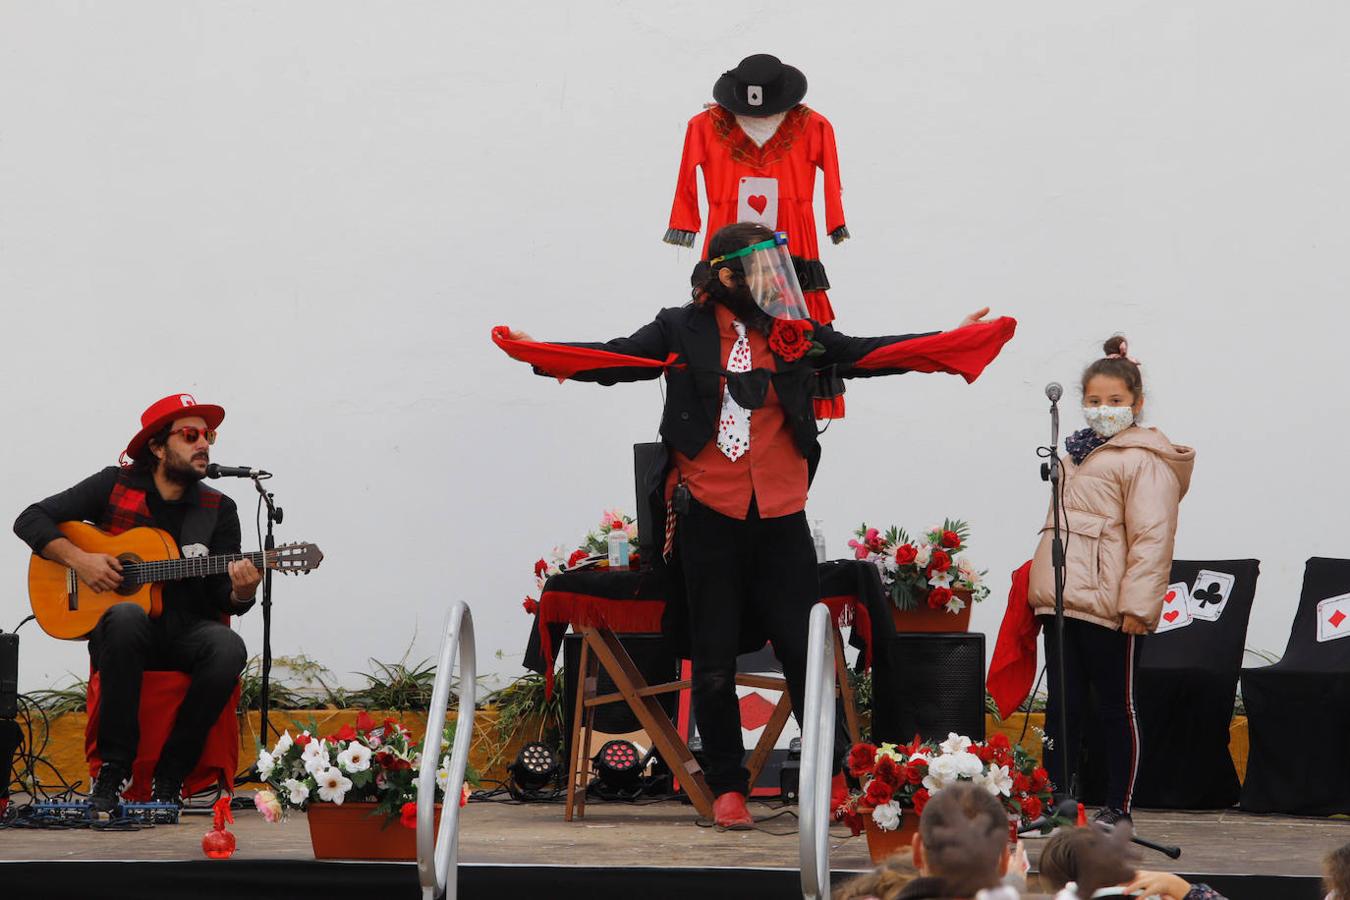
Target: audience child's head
x=1337, y=867
x=1090, y=857
x=963, y=839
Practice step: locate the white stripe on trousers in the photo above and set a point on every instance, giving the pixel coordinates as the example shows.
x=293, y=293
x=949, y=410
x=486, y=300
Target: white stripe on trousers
x=1134, y=722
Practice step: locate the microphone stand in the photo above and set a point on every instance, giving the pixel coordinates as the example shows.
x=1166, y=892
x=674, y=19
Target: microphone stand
x=274, y=515
x=1050, y=471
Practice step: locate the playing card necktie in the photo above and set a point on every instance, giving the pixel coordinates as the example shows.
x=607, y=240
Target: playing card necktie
x=733, y=427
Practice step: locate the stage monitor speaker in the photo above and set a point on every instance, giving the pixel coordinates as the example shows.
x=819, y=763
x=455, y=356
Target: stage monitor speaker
x=9, y=676
x=929, y=685
x=653, y=659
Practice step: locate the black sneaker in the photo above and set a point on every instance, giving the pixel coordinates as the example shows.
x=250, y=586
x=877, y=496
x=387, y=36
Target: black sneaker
x=167, y=790
x=107, y=791
x=1110, y=816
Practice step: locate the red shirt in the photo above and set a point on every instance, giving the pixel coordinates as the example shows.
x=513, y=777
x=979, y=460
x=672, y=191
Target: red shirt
x=773, y=470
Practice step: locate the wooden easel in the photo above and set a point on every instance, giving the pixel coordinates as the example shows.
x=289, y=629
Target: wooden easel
x=601, y=647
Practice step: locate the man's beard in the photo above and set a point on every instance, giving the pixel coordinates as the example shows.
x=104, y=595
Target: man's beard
x=742, y=305
x=179, y=469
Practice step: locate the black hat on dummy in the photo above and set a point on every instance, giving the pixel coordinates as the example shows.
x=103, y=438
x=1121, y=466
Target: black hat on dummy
x=762, y=85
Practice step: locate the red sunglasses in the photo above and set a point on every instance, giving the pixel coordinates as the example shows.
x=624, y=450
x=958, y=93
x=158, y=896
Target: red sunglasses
x=191, y=433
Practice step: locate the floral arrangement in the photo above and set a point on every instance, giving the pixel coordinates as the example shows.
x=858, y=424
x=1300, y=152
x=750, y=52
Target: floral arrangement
x=593, y=552
x=895, y=777
x=364, y=762
x=930, y=570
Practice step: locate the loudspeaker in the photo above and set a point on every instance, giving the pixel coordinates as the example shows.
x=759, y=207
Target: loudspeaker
x=929, y=685
x=10, y=736
x=653, y=659
x=9, y=676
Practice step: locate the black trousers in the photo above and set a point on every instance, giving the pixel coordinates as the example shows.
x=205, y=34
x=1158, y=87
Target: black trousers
x=1099, y=663
x=125, y=643
x=757, y=570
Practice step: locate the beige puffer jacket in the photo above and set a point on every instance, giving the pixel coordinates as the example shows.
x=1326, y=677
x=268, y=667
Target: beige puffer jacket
x=1120, y=509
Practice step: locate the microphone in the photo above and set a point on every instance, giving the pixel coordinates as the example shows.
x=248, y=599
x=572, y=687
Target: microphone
x=1054, y=390
x=215, y=470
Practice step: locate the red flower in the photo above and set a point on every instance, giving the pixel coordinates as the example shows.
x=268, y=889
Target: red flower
x=905, y=553
x=938, y=597
x=540, y=568
x=616, y=525
x=576, y=557
x=878, y=793
x=384, y=758
x=790, y=339
x=889, y=772
x=531, y=605
x=861, y=759
x=1021, y=784
x=920, y=800
x=364, y=722
x=1031, y=807
x=940, y=561
x=983, y=751
x=838, y=802
x=915, y=772
x=302, y=740
x=951, y=540
x=1039, y=779
x=408, y=814
x=1000, y=742
x=345, y=733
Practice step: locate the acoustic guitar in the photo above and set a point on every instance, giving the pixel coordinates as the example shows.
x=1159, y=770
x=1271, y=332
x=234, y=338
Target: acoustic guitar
x=68, y=608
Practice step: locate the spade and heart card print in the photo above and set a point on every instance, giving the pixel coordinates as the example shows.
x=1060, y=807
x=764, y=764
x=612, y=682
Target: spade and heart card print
x=1333, y=618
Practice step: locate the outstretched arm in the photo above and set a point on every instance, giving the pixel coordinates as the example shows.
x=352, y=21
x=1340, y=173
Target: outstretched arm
x=603, y=361
x=845, y=351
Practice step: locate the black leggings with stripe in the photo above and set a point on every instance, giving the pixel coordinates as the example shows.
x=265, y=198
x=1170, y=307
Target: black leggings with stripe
x=1101, y=661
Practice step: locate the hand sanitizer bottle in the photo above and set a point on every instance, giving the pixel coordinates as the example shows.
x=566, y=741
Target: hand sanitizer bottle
x=618, y=549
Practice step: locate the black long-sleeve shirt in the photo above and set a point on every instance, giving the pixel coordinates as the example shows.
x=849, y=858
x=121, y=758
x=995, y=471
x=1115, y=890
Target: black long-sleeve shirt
x=206, y=596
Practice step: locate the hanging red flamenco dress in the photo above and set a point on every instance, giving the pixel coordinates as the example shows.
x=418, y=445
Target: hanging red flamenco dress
x=803, y=143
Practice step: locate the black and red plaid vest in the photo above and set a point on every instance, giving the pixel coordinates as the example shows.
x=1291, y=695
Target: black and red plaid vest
x=127, y=508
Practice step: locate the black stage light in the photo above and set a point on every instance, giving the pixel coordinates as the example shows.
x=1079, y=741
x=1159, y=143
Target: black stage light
x=619, y=765
x=535, y=768
x=789, y=777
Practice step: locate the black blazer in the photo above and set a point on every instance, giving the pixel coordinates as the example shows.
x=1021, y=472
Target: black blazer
x=693, y=391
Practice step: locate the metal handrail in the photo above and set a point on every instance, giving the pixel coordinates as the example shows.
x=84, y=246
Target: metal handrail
x=813, y=808
x=438, y=852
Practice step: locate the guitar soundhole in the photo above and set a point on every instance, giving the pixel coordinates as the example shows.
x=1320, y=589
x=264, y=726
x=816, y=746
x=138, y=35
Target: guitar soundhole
x=129, y=583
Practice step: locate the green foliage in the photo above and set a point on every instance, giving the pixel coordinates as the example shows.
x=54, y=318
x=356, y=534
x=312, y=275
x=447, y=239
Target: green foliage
x=398, y=686
x=57, y=701
x=523, y=702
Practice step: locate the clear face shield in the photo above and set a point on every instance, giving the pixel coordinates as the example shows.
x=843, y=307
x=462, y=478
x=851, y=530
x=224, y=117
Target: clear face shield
x=771, y=277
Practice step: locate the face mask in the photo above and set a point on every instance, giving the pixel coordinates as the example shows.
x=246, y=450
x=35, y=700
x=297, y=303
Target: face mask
x=1108, y=420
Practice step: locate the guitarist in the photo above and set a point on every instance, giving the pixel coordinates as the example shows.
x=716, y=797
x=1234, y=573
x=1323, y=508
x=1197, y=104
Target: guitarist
x=160, y=487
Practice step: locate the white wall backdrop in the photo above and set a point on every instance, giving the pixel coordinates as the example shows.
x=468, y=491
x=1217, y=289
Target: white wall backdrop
x=313, y=213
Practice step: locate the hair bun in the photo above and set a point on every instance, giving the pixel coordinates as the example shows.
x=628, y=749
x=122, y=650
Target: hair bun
x=1114, y=345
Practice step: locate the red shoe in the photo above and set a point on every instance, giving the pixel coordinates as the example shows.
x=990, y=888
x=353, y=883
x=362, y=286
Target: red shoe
x=729, y=812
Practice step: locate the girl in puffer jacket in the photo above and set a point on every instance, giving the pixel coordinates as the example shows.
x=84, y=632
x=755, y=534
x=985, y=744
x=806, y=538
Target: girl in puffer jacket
x=1121, y=484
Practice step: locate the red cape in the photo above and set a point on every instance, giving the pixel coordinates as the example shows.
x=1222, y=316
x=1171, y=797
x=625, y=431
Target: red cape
x=964, y=351
x=563, y=362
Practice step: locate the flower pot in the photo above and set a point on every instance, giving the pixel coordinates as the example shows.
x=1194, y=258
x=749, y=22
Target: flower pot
x=882, y=844
x=351, y=831
x=924, y=618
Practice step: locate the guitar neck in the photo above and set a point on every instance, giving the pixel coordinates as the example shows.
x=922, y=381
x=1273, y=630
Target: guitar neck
x=176, y=569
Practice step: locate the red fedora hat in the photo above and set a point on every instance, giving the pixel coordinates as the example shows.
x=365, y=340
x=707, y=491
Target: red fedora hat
x=162, y=412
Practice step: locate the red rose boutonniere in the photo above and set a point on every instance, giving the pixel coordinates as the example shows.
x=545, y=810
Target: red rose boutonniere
x=791, y=340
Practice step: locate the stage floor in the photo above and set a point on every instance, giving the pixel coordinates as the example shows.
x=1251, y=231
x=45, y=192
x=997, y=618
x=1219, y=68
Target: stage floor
x=668, y=835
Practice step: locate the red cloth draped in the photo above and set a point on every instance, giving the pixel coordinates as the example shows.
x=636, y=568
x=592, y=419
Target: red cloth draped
x=964, y=351
x=162, y=693
x=1013, y=668
x=563, y=362
x=644, y=616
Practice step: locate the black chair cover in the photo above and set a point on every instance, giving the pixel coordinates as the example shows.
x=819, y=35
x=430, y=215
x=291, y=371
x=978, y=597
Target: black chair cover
x=1298, y=710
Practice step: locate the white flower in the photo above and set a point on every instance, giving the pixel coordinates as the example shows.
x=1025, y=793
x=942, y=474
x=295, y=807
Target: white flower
x=298, y=789
x=940, y=579
x=443, y=774
x=966, y=765
x=887, y=816
x=333, y=785
x=955, y=605
x=955, y=743
x=923, y=553
x=967, y=569
x=941, y=772
x=284, y=743
x=356, y=758
x=266, y=763
x=996, y=781
x=315, y=757
x=889, y=564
